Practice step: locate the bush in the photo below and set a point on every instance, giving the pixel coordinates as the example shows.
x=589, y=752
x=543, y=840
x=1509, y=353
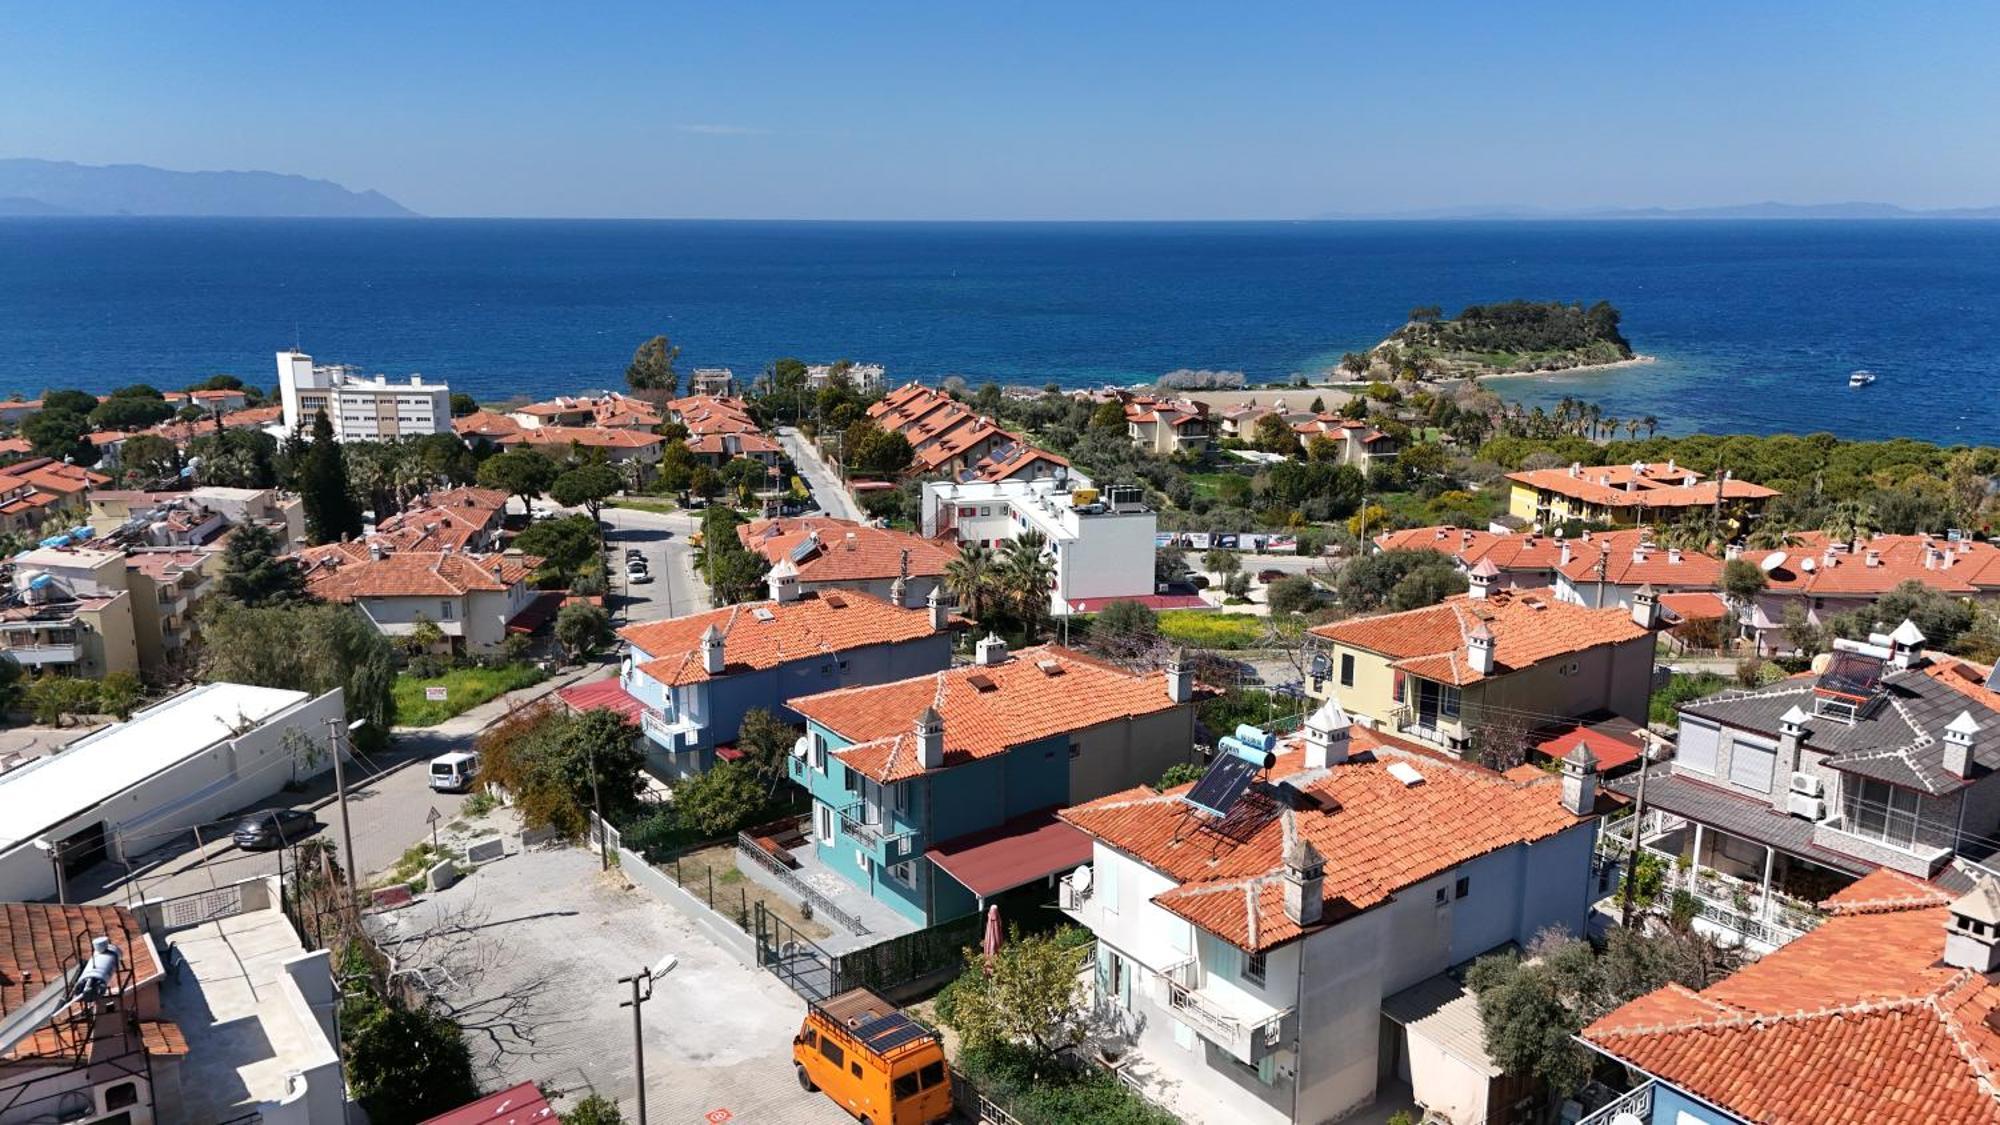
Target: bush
x=1199, y=628
x=726, y=798
x=1682, y=688
x=1294, y=593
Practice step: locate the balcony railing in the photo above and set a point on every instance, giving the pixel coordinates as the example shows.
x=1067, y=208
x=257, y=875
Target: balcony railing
x=1246, y=1039
x=1638, y=1102
x=1072, y=895
x=667, y=732
x=42, y=654
x=874, y=835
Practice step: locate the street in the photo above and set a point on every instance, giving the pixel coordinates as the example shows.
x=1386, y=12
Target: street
x=675, y=590
x=825, y=484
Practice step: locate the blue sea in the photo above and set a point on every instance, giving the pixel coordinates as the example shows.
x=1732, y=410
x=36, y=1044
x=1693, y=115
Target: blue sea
x=1755, y=325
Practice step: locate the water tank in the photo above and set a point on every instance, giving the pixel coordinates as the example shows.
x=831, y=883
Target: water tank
x=1255, y=736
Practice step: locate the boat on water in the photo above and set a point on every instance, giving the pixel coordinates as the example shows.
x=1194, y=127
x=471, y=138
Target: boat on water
x=1860, y=378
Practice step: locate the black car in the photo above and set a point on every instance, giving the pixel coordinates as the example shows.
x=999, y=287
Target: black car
x=273, y=828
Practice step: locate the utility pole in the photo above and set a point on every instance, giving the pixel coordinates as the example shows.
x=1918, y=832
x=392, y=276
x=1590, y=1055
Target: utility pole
x=1638, y=832
x=642, y=991
x=597, y=808
x=334, y=741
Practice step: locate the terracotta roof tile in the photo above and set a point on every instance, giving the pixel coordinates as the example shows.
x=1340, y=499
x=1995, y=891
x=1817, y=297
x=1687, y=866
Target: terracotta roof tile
x=342, y=572
x=814, y=625
x=1660, y=485
x=597, y=437
x=1528, y=626
x=844, y=551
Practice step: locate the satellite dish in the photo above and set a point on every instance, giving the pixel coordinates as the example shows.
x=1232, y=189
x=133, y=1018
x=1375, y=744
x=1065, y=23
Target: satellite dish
x=1772, y=561
x=1080, y=878
x=1808, y=565
x=1626, y=1117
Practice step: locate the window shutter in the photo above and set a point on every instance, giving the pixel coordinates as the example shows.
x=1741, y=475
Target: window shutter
x=1697, y=746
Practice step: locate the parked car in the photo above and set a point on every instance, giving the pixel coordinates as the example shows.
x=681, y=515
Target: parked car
x=636, y=571
x=454, y=772
x=633, y=553
x=1269, y=576
x=273, y=828
x=873, y=1061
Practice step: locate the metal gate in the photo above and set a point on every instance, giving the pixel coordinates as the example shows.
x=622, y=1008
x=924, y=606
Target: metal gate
x=793, y=957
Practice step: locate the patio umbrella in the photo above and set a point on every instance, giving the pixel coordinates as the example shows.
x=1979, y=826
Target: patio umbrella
x=991, y=944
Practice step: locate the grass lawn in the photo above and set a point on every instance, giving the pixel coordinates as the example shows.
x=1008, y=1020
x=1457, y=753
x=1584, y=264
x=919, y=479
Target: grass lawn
x=465, y=688
x=1209, y=485
x=658, y=505
x=1207, y=629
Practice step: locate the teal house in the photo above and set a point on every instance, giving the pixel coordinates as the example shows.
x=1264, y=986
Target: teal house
x=936, y=793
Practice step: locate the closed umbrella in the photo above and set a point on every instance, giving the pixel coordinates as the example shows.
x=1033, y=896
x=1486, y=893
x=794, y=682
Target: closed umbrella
x=991, y=945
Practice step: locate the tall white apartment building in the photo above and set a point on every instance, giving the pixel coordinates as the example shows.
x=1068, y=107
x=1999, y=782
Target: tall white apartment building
x=1102, y=544
x=361, y=407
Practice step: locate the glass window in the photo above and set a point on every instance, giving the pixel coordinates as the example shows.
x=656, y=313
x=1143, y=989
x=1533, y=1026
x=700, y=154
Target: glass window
x=121, y=1095
x=444, y=610
x=1346, y=669
x=932, y=1074
x=1253, y=968
x=832, y=1052
x=904, y=1086
x=1881, y=811
x=1464, y=886
x=1449, y=695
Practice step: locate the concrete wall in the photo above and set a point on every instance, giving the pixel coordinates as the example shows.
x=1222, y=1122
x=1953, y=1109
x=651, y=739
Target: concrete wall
x=661, y=886
x=1127, y=752
x=1111, y=556
x=1617, y=678
x=315, y=1094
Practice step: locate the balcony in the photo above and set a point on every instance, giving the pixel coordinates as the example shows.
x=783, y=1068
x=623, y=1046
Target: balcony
x=889, y=843
x=1921, y=860
x=1073, y=896
x=1247, y=1036
x=38, y=654
x=665, y=731
x=1637, y=1102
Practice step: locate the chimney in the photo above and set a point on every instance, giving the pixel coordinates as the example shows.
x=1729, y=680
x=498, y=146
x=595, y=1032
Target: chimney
x=1791, y=734
x=1305, y=882
x=989, y=651
x=1579, y=780
x=1959, y=740
x=1180, y=681
x=930, y=739
x=1673, y=556
x=1479, y=649
x=1564, y=559
x=711, y=651
x=375, y=550
x=899, y=592
x=1327, y=735
x=1906, y=644
x=1646, y=607
x=1480, y=580
x=940, y=612
x=783, y=582
x=1972, y=934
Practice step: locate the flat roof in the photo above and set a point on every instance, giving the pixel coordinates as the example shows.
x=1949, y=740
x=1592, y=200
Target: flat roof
x=95, y=769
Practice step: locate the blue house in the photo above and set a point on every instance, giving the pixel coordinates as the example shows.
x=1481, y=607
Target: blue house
x=936, y=793
x=695, y=677
x=1887, y=1012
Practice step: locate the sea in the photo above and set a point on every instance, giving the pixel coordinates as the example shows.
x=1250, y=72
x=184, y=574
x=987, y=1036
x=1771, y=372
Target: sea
x=1754, y=325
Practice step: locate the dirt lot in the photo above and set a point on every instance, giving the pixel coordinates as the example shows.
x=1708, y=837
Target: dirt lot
x=711, y=875
x=529, y=950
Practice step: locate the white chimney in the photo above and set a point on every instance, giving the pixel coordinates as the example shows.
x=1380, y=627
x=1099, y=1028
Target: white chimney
x=1479, y=582
x=1579, y=780
x=1180, y=681
x=1791, y=734
x=1972, y=933
x=1479, y=649
x=1960, y=739
x=930, y=739
x=1907, y=644
x=940, y=612
x=1305, y=882
x=783, y=581
x=1327, y=735
x=989, y=651
x=711, y=651
x=1646, y=607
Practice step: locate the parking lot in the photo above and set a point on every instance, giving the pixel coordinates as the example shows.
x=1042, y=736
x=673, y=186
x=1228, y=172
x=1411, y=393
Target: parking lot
x=529, y=950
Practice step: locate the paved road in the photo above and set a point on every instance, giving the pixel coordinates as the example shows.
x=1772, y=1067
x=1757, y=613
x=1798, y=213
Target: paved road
x=676, y=590
x=825, y=484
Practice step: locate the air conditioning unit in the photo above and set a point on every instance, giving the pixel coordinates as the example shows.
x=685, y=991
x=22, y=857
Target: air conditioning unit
x=1807, y=784
x=1811, y=808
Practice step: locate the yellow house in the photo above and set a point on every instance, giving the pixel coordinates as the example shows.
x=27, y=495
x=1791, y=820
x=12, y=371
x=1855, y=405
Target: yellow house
x=1626, y=495
x=1484, y=669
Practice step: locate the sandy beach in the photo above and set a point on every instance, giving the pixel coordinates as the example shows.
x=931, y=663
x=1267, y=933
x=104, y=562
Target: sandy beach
x=1586, y=369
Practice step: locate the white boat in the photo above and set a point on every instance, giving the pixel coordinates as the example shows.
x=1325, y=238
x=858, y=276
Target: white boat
x=1860, y=378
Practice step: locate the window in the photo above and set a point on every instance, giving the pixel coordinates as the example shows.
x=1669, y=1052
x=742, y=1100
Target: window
x=1449, y=700
x=823, y=815
x=1346, y=669
x=1253, y=968
x=819, y=752
x=904, y=1086
x=1075, y=749
x=854, y=1068
x=1880, y=811
x=444, y=610
x=1443, y=896
x=811, y=1037
x=905, y=873
x=832, y=1052
x=121, y=1095
x=1107, y=886
x=931, y=1074
x=1463, y=888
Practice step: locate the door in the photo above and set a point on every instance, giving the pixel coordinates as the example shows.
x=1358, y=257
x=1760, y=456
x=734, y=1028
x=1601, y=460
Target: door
x=1430, y=704
x=82, y=849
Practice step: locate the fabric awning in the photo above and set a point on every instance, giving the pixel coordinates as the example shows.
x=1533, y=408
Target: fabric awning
x=1029, y=847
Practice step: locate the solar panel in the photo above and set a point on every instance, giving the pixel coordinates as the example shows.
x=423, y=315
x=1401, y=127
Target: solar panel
x=889, y=1032
x=804, y=549
x=1851, y=674
x=1223, y=785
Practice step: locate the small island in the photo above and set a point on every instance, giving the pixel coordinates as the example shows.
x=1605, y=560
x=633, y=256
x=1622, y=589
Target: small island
x=1509, y=338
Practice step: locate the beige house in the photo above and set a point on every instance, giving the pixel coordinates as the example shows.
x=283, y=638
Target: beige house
x=70, y=613
x=476, y=600
x=1168, y=426
x=1487, y=664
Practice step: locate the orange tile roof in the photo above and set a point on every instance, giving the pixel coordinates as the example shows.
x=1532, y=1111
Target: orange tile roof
x=845, y=551
x=746, y=442
x=589, y=436
x=1034, y=694
x=1008, y=461
x=1695, y=606
x=814, y=625
x=1858, y=1021
x=1528, y=626
x=39, y=941
x=342, y=572
x=432, y=529
x=1376, y=835
x=472, y=499
x=1816, y=565
x=485, y=424
x=1659, y=485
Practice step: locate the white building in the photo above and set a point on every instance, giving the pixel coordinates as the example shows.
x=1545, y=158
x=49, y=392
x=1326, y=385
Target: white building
x=361, y=407
x=865, y=378
x=1102, y=543
x=1280, y=960
x=134, y=786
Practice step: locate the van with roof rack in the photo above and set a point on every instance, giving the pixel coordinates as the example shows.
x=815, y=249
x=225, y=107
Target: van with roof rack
x=876, y=1062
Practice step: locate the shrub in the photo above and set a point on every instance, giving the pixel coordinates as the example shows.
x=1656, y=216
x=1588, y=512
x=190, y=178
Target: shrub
x=1294, y=593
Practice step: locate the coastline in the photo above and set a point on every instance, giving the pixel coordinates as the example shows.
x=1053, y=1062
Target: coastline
x=1582, y=369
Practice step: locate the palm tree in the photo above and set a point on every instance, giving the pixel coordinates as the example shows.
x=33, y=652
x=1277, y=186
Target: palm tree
x=1025, y=576
x=970, y=577
x=1651, y=423
x=1632, y=428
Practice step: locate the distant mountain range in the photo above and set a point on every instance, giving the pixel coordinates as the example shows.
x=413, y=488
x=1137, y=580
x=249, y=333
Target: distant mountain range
x=52, y=187
x=1737, y=211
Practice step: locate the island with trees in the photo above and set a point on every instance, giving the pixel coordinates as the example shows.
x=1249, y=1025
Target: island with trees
x=1508, y=338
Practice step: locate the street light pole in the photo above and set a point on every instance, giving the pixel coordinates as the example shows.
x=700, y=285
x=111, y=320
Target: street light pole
x=334, y=743
x=642, y=991
x=597, y=809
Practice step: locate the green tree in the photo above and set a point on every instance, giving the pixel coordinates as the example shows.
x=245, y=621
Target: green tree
x=69, y=401
x=675, y=471
x=330, y=511
x=582, y=629
x=1426, y=586
x=586, y=486
x=61, y=435
x=131, y=408
x=149, y=459
x=253, y=571
x=594, y=1110
x=408, y=1065
x=119, y=693
x=1742, y=580
x=705, y=483
x=871, y=451
x=53, y=699
x=1940, y=617
x=463, y=404
x=556, y=764
x=969, y=578
x=721, y=800
x=11, y=675
x=1026, y=575
x=1124, y=628
x=1109, y=417
x=525, y=473
x=1369, y=581
x=652, y=367
x=1029, y=995
x=1294, y=593
x=766, y=741
x=1272, y=434
x=1217, y=560
x=1180, y=773
x=237, y=459
x=312, y=648
x=566, y=546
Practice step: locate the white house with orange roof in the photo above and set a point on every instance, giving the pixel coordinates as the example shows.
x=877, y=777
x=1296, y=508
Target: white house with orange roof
x=1642, y=492
x=695, y=677
x=1824, y=576
x=634, y=451
x=1488, y=665
x=812, y=554
x=935, y=794
x=476, y=600
x=1273, y=950
x=1167, y=426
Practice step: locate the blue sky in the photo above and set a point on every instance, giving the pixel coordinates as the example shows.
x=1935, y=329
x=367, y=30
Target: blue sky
x=1027, y=110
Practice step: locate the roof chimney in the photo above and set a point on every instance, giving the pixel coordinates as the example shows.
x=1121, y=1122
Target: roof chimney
x=1479, y=582
x=1972, y=933
x=783, y=582
x=1180, y=681
x=1646, y=607
x=1960, y=738
x=1791, y=733
x=1906, y=644
x=989, y=651
x=940, y=612
x=375, y=550
x=1305, y=882
x=711, y=650
x=1479, y=649
x=1579, y=780
x=1327, y=735
x=930, y=739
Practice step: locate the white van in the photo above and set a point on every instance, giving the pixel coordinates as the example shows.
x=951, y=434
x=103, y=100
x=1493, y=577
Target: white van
x=453, y=772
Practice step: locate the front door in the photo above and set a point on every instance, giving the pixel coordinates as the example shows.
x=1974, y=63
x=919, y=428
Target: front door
x=1430, y=704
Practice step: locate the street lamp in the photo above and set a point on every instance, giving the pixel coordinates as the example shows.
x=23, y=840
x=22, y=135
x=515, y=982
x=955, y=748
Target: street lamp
x=642, y=991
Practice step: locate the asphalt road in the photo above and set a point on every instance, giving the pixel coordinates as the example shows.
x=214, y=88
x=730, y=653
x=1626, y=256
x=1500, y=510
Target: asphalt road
x=825, y=484
x=675, y=590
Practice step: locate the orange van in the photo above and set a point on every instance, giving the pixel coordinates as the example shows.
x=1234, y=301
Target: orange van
x=879, y=1064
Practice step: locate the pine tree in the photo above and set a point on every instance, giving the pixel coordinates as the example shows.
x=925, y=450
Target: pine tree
x=330, y=510
x=252, y=572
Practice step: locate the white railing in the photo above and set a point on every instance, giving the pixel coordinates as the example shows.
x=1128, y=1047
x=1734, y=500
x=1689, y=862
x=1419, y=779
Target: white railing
x=854, y=823
x=1638, y=1102
x=1072, y=896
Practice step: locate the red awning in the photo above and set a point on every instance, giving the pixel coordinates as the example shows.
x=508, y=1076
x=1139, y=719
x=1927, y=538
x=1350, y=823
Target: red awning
x=1150, y=601
x=1614, y=741
x=516, y=1105
x=606, y=694
x=537, y=613
x=1024, y=849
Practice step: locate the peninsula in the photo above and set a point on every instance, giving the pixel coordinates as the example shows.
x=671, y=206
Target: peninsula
x=1509, y=338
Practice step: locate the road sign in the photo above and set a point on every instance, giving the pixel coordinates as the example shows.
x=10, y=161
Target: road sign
x=432, y=820
x=434, y=694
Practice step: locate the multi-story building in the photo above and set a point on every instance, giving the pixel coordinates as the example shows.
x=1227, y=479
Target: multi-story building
x=1488, y=664
x=1821, y=577
x=865, y=378
x=1778, y=796
x=634, y=452
x=71, y=613
x=167, y=585
x=1885, y=1014
x=695, y=677
x=461, y=520
x=361, y=407
x=1630, y=494
x=937, y=793
x=39, y=490
x=1360, y=444
x=609, y=409
x=1274, y=948
x=1167, y=426
x=717, y=381
x=1100, y=544
x=813, y=554
x=476, y=600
